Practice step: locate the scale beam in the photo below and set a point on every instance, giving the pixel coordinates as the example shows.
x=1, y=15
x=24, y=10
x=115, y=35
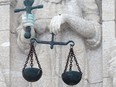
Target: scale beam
x=52, y=42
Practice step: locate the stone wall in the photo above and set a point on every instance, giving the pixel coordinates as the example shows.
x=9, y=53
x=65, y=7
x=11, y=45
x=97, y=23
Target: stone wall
x=108, y=37
x=10, y=56
x=4, y=42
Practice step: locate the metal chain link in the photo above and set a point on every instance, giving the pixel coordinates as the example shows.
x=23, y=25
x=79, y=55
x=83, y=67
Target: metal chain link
x=36, y=58
x=71, y=59
x=76, y=61
x=71, y=55
x=67, y=62
x=30, y=55
x=70, y=66
x=31, y=60
x=77, y=64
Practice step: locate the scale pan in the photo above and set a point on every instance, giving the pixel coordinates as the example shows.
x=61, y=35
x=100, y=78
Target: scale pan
x=71, y=77
x=32, y=74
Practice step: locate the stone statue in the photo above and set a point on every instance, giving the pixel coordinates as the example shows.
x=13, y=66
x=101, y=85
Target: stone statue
x=76, y=20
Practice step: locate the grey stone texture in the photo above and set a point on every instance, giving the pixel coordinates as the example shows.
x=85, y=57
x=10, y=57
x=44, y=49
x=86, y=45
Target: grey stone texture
x=12, y=59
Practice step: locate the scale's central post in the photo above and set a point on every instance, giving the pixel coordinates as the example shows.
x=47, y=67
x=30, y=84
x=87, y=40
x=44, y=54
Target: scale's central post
x=28, y=8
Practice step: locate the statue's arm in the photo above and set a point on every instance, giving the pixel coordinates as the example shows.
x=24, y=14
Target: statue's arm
x=87, y=26
x=89, y=30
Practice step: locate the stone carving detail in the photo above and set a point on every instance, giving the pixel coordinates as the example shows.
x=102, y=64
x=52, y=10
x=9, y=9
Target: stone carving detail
x=78, y=21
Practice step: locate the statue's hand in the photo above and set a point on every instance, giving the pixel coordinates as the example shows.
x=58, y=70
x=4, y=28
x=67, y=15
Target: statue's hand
x=56, y=22
x=28, y=20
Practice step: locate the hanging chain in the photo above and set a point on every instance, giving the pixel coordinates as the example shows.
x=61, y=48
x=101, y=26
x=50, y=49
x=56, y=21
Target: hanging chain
x=77, y=64
x=70, y=66
x=31, y=60
x=70, y=58
x=76, y=61
x=67, y=62
x=36, y=57
x=30, y=55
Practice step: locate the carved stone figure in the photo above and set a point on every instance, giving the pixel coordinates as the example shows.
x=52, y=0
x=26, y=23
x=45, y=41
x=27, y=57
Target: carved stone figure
x=76, y=20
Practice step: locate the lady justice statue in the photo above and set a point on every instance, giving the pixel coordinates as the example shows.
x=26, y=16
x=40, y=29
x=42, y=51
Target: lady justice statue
x=76, y=20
